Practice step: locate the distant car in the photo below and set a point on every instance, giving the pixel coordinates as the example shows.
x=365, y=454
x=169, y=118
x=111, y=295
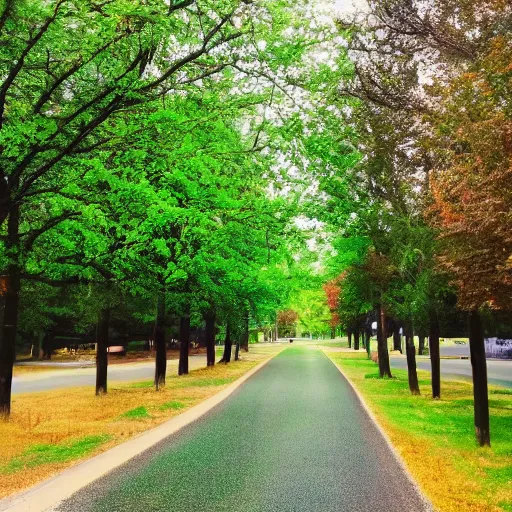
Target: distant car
x=459, y=342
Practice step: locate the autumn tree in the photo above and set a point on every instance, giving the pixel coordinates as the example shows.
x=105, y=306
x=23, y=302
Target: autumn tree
x=332, y=291
x=471, y=199
x=406, y=53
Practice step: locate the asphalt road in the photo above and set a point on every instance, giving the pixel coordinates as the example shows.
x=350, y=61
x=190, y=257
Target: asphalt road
x=498, y=372
x=294, y=437
x=78, y=377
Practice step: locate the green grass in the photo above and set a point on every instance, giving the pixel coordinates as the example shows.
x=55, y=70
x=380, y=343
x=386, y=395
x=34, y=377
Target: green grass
x=173, y=405
x=337, y=343
x=334, y=344
x=142, y=384
x=139, y=413
x=54, y=453
x=436, y=437
x=205, y=382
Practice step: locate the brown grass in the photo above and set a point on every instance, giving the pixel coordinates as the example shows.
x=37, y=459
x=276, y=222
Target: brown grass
x=64, y=416
x=24, y=370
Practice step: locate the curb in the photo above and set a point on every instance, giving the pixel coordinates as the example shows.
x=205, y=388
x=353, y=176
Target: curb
x=49, y=494
x=428, y=506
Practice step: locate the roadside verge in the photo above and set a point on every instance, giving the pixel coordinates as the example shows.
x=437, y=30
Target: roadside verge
x=436, y=438
x=48, y=494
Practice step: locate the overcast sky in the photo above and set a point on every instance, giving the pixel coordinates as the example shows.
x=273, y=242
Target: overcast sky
x=349, y=5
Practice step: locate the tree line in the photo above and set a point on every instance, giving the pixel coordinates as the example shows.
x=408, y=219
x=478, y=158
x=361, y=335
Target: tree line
x=136, y=160
x=422, y=222
x=155, y=157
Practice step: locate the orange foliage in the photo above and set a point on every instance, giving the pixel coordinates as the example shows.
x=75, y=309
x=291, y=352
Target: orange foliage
x=332, y=291
x=472, y=195
x=3, y=285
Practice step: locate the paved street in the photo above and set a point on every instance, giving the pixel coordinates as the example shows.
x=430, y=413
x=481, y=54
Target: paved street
x=498, y=372
x=292, y=438
x=129, y=372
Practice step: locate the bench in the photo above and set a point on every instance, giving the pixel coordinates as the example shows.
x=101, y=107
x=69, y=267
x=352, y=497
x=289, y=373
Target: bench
x=116, y=349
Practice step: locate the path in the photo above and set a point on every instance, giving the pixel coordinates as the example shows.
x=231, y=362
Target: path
x=292, y=438
x=129, y=372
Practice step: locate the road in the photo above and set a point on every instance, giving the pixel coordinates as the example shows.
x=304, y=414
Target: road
x=68, y=378
x=498, y=372
x=461, y=350
x=294, y=437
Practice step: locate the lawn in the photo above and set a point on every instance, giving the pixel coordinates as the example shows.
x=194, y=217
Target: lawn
x=337, y=343
x=50, y=431
x=436, y=438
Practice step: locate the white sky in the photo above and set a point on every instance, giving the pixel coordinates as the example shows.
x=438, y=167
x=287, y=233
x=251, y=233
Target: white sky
x=349, y=6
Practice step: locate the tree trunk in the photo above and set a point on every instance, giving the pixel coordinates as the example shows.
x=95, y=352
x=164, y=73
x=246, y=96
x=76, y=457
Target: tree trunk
x=479, y=365
x=228, y=344
x=184, y=344
x=367, y=344
x=435, y=359
x=382, y=344
x=349, y=337
x=39, y=354
x=159, y=340
x=397, y=338
x=245, y=339
x=101, y=351
x=210, y=338
x=237, y=351
x=11, y=285
x=410, y=351
x=421, y=344
x=48, y=346
x=333, y=333
x=356, y=339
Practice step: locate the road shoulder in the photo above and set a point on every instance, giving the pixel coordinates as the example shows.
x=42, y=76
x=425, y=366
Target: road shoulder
x=203, y=387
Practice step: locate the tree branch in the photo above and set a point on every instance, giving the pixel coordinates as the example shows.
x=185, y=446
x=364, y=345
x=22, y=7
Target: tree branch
x=51, y=223
x=13, y=73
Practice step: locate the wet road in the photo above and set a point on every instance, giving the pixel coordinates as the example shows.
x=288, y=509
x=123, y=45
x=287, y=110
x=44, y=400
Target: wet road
x=294, y=437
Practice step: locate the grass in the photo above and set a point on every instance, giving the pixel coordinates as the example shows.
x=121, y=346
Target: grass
x=136, y=414
x=343, y=343
x=436, y=437
x=172, y=405
x=40, y=454
x=334, y=344
x=50, y=431
x=206, y=381
x=24, y=370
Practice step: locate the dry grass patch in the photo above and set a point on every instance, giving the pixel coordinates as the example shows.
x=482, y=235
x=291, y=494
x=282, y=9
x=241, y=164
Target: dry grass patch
x=50, y=431
x=436, y=437
x=24, y=370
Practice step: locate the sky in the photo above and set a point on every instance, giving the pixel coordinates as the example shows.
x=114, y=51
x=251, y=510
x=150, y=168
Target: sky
x=349, y=6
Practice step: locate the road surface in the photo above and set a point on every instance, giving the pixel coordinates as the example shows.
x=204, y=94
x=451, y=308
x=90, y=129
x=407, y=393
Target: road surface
x=128, y=372
x=498, y=372
x=292, y=438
